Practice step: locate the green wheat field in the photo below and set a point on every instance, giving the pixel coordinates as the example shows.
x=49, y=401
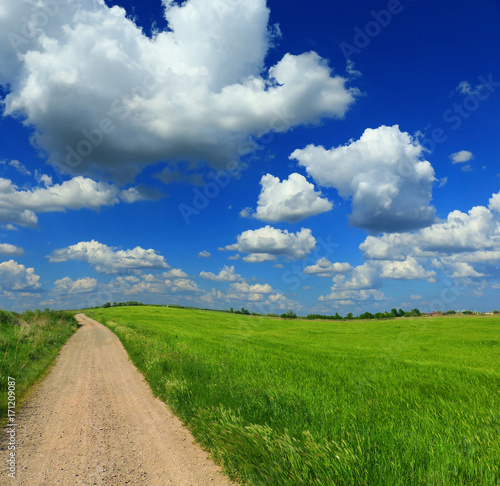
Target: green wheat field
x=291, y=402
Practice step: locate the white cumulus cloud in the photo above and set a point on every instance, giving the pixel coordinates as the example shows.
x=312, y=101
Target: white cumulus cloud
x=291, y=200
x=82, y=285
x=16, y=278
x=19, y=206
x=384, y=175
x=463, y=245
x=104, y=98
x=227, y=274
x=267, y=243
x=10, y=250
x=325, y=268
x=108, y=260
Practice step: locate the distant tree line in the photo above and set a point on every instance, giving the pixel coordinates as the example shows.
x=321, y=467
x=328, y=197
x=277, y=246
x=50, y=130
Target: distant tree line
x=121, y=304
x=368, y=315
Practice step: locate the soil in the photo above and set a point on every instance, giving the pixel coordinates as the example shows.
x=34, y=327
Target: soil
x=94, y=421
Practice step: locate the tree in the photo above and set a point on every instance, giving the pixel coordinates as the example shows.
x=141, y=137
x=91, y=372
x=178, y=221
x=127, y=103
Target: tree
x=394, y=313
x=289, y=315
x=349, y=315
x=401, y=313
x=106, y=305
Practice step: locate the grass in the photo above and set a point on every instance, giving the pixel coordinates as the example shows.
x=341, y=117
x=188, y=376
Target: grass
x=29, y=343
x=398, y=402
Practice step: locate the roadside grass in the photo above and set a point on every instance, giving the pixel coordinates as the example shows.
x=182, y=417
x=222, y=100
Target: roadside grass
x=399, y=402
x=29, y=343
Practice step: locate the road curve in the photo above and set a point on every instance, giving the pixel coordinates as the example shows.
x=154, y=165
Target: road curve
x=94, y=421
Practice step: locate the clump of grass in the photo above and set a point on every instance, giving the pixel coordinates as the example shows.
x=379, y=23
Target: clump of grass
x=406, y=402
x=29, y=342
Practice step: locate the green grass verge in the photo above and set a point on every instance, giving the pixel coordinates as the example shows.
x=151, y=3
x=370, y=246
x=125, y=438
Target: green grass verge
x=400, y=402
x=29, y=343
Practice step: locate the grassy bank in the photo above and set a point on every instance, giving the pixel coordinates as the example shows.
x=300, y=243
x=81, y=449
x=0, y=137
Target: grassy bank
x=29, y=342
x=400, y=402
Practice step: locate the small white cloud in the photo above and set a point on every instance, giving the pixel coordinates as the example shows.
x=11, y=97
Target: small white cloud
x=466, y=168
x=408, y=269
x=246, y=288
x=268, y=243
x=259, y=258
x=325, y=268
x=10, y=250
x=415, y=297
x=175, y=273
x=16, y=278
x=204, y=254
x=82, y=285
x=227, y=274
x=443, y=181
x=21, y=168
x=185, y=285
x=292, y=200
x=463, y=270
x=462, y=156
x=465, y=88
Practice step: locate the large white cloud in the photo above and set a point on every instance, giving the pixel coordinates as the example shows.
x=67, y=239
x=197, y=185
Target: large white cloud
x=108, y=260
x=103, y=97
x=15, y=278
x=292, y=200
x=463, y=245
x=384, y=174
x=20, y=206
x=265, y=244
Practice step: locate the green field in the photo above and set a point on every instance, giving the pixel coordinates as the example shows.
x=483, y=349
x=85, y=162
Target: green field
x=29, y=343
x=289, y=402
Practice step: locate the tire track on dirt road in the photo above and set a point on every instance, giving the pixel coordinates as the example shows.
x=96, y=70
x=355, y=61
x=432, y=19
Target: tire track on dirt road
x=95, y=421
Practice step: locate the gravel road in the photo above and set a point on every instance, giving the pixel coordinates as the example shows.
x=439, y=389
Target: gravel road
x=94, y=421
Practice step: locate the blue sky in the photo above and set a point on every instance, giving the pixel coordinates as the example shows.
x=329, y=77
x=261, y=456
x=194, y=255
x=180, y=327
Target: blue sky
x=322, y=157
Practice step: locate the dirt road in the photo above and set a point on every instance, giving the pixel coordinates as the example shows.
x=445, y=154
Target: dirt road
x=94, y=421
